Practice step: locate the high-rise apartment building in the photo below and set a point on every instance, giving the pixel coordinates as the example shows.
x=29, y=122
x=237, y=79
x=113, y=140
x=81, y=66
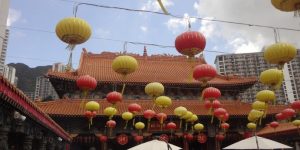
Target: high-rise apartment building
x=58, y=67
x=252, y=64
x=44, y=89
x=9, y=73
x=4, y=8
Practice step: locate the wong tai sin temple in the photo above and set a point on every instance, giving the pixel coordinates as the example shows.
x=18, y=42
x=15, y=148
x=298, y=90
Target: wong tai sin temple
x=175, y=75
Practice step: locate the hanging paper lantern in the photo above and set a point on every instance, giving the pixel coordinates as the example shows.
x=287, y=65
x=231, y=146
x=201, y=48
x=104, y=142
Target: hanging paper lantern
x=111, y=124
x=161, y=117
x=219, y=112
x=202, y=138
x=280, y=116
x=207, y=104
x=286, y=5
x=265, y=96
x=180, y=111
x=258, y=105
x=280, y=53
x=288, y=112
x=103, y=138
x=211, y=93
x=154, y=89
x=256, y=114
x=139, y=125
x=149, y=114
x=86, y=83
x=190, y=43
x=73, y=30
x=122, y=139
x=188, y=115
x=220, y=137
x=92, y=106
x=216, y=104
x=134, y=108
x=224, y=118
x=114, y=97
x=164, y=137
x=274, y=124
x=138, y=138
x=272, y=78
x=193, y=118
x=127, y=116
x=124, y=65
x=296, y=123
x=251, y=126
x=198, y=127
x=189, y=137
x=88, y=114
x=171, y=126
x=163, y=101
x=110, y=112
x=225, y=126
x=204, y=73
x=296, y=105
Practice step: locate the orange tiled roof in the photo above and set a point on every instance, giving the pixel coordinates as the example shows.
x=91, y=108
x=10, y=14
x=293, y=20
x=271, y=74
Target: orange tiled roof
x=164, y=69
x=71, y=107
x=15, y=97
x=283, y=128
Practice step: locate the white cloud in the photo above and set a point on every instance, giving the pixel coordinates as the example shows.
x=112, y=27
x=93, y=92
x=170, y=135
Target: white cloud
x=240, y=38
x=175, y=24
x=13, y=16
x=207, y=27
x=144, y=28
x=154, y=6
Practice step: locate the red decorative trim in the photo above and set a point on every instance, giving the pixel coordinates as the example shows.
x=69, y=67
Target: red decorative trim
x=18, y=101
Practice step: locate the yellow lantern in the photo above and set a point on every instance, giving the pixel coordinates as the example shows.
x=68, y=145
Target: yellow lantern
x=287, y=5
x=110, y=111
x=258, y=105
x=198, y=127
x=296, y=123
x=154, y=89
x=92, y=106
x=124, y=65
x=127, y=116
x=180, y=111
x=193, y=118
x=265, y=96
x=256, y=114
x=251, y=126
x=163, y=101
x=188, y=115
x=72, y=31
x=139, y=125
x=272, y=78
x=280, y=53
x=251, y=118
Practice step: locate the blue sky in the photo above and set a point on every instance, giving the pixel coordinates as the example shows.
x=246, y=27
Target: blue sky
x=43, y=48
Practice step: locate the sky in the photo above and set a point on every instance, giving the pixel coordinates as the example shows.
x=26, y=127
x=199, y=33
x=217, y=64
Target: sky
x=33, y=41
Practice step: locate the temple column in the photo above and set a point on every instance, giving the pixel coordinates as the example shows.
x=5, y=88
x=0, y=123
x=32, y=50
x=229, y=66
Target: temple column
x=43, y=144
x=27, y=145
x=3, y=137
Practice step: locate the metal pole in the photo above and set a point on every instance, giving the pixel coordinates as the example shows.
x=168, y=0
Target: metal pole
x=256, y=140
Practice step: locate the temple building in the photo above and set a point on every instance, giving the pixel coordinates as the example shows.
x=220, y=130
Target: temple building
x=174, y=72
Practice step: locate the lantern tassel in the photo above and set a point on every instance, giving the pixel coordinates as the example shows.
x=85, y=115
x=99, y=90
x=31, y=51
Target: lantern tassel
x=278, y=85
x=133, y=121
x=148, y=124
x=161, y=123
x=85, y=93
x=212, y=119
x=180, y=123
x=69, y=66
x=186, y=126
x=126, y=124
x=191, y=61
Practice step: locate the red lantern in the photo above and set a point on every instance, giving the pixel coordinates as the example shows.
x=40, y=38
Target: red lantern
x=149, y=114
x=164, y=137
x=225, y=126
x=274, y=124
x=122, y=139
x=86, y=83
x=204, y=73
x=211, y=93
x=220, y=112
x=190, y=43
x=207, y=104
x=111, y=124
x=138, y=138
x=114, y=97
x=202, y=138
x=103, y=138
x=94, y=113
x=134, y=108
x=88, y=114
x=296, y=105
x=220, y=137
x=161, y=117
x=171, y=126
x=225, y=117
x=216, y=104
x=280, y=116
x=189, y=137
x=288, y=112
